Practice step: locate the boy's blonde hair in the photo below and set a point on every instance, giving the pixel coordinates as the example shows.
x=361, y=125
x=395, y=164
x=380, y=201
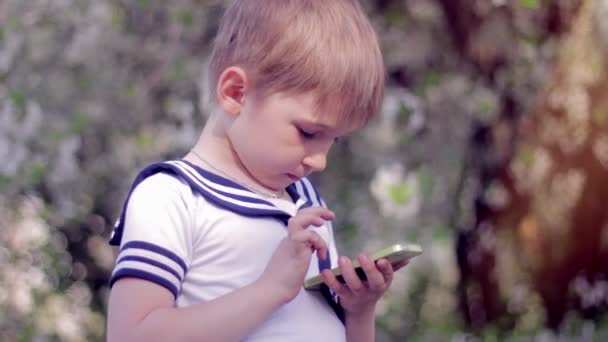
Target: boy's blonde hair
x=297, y=46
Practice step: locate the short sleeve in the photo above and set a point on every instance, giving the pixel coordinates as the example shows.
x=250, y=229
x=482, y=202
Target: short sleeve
x=156, y=243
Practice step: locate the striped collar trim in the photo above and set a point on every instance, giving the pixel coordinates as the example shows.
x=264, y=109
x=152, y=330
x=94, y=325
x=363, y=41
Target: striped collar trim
x=224, y=193
x=224, y=190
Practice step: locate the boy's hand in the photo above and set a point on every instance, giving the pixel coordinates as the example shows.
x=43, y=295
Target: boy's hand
x=288, y=265
x=357, y=296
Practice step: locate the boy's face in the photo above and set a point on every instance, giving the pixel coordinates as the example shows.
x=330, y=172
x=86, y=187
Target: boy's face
x=281, y=138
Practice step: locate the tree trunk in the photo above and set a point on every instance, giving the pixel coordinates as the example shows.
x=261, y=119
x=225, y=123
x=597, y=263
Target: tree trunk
x=556, y=184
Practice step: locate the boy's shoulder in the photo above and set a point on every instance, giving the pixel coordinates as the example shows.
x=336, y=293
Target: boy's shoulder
x=161, y=184
x=155, y=189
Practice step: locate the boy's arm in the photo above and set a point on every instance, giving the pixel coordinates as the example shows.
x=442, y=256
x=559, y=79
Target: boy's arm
x=360, y=327
x=140, y=310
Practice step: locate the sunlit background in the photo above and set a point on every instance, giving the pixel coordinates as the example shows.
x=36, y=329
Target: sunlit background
x=491, y=152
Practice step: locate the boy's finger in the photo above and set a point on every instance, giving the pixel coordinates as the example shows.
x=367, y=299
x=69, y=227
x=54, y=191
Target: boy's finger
x=318, y=244
x=375, y=279
x=313, y=240
x=315, y=216
x=386, y=269
x=322, y=212
x=302, y=222
x=298, y=223
x=333, y=283
x=321, y=247
x=350, y=276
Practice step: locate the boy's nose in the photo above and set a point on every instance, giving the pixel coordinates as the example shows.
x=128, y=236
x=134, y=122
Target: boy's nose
x=316, y=162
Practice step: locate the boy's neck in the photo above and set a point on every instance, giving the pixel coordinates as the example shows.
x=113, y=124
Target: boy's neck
x=216, y=148
x=214, y=152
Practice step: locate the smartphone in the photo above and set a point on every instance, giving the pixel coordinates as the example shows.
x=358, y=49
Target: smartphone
x=394, y=254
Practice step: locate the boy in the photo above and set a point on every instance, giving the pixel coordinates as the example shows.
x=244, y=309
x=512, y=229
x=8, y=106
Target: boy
x=216, y=246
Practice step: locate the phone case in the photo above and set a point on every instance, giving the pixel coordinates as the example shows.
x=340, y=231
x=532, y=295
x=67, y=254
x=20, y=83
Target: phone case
x=394, y=254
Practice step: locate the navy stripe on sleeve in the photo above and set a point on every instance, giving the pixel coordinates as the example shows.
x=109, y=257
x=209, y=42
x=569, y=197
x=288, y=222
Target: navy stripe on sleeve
x=141, y=274
x=150, y=262
x=156, y=249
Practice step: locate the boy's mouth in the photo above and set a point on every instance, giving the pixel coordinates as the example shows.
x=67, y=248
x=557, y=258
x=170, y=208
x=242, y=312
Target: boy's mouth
x=293, y=177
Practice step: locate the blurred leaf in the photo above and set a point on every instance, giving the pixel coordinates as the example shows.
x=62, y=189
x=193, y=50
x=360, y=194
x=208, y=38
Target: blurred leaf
x=5, y=180
x=395, y=15
x=12, y=23
x=80, y=122
x=36, y=173
x=533, y=4
x=425, y=181
x=349, y=232
x=400, y=194
x=179, y=70
x=404, y=113
x=432, y=79
x=490, y=334
x=441, y=233
x=185, y=17
x=572, y=325
x=144, y=3
x=486, y=107
x=144, y=141
x=56, y=135
x=17, y=99
x=526, y=155
x=84, y=82
x=131, y=89
x=118, y=17
x=599, y=118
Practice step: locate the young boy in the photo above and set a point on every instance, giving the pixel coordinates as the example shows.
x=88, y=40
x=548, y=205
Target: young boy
x=216, y=246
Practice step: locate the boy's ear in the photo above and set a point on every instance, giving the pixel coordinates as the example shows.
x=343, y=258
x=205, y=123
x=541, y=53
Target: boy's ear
x=231, y=88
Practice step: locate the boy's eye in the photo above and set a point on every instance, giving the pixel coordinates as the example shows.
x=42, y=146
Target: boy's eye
x=306, y=134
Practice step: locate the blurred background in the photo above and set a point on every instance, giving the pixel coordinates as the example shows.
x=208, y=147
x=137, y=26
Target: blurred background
x=491, y=151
